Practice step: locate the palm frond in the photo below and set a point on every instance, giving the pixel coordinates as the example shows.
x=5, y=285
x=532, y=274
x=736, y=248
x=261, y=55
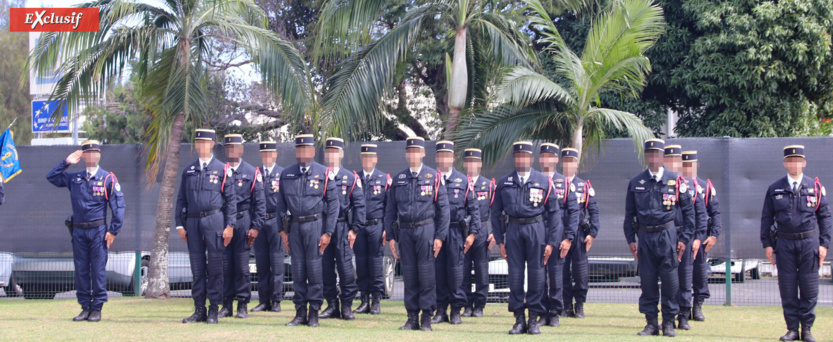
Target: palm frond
x=343, y=26
x=523, y=87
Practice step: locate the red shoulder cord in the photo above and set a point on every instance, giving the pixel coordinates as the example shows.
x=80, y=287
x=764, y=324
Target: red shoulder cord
x=257, y=172
x=566, y=188
x=355, y=177
x=225, y=172
x=492, y=188
x=326, y=180
x=709, y=187
x=549, y=188
x=388, y=182
x=677, y=186
x=113, y=184
x=696, y=185
x=817, y=190
x=437, y=186
x=587, y=187
x=466, y=196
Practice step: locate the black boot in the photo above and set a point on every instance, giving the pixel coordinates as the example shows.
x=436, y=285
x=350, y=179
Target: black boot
x=478, y=312
x=300, y=317
x=85, y=313
x=425, y=324
x=375, y=306
x=212, y=315
x=332, y=310
x=792, y=335
x=520, y=324
x=276, y=307
x=226, y=311
x=651, y=329
x=455, y=316
x=682, y=318
x=579, y=310
x=553, y=321
x=440, y=317
x=806, y=336
x=364, y=307
x=568, y=311
x=543, y=320
x=532, y=325
x=413, y=321
x=312, y=320
x=263, y=306
x=697, y=311
x=95, y=316
x=347, y=312
x=668, y=329
x=197, y=316
x=242, y=310
x=467, y=312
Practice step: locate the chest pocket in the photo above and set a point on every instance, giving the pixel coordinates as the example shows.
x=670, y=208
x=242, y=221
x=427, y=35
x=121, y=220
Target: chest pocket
x=212, y=181
x=456, y=192
x=402, y=191
x=314, y=186
x=375, y=189
x=534, y=196
x=781, y=201
x=272, y=184
x=242, y=183
x=669, y=197
x=290, y=185
x=425, y=190
x=808, y=201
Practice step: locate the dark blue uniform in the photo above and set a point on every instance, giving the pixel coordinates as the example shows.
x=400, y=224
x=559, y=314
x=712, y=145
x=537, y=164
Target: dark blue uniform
x=420, y=205
x=449, y=263
x=247, y=183
x=312, y=201
x=565, y=194
x=90, y=195
x=714, y=228
x=477, y=259
x=654, y=205
x=534, y=222
x=339, y=255
x=368, y=246
x=209, y=204
x=269, y=249
x=804, y=223
x=576, y=264
x=686, y=268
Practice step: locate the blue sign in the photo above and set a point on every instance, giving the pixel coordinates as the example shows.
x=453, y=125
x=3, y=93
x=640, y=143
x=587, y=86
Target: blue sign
x=42, y=121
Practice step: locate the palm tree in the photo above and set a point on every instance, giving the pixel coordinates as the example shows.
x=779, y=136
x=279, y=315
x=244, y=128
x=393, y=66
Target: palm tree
x=355, y=91
x=170, y=40
x=613, y=61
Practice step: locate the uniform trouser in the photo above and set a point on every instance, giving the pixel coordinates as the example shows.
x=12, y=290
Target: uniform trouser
x=416, y=252
x=686, y=274
x=554, y=290
x=269, y=255
x=370, y=256
x=449, y=270
x=236, y=276
x=89, y=252
x=306, y=264
x=576, y=270
x=206, y=253
x=797, y=262
x=339, y=256
x=525, y=245
x=476, y=259
x=658, y=260
x=700, y=283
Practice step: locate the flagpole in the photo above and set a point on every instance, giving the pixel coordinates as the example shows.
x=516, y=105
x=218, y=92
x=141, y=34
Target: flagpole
x=10, y=125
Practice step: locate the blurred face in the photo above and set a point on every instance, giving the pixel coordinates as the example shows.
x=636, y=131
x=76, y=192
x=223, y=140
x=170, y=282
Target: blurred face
x=569, y=166
x=234, y=152
x=304, y=154
x=523, y=161
x=690, y=170
x=673, y=163
x=91, y=158
x=445, y=160
x=547, y=161
x=268, y=158
x=369, y=162
x=204, y=147
x=333, y=157
x=795, y=166
x=473, y=166
x=414, y=156
x=654, y=159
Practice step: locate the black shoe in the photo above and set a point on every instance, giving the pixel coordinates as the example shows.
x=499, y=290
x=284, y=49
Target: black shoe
x=579, y=310
x=262, y=307
x=806, y=336
x=478, y=312
x=276, y=307
x=520, y=324
x=651, y=329
x=300, y=317
x=312, y=321
x=364, y=307
x=95, y=316
x=413, y=321
x=668, y=329
x=425, y=324
x=568, y=311
x=553, y=321
x=242, y=311
x=440, y=317
x=455, y=317
x=683, y=319
x=532, y=325
x=467, y=312
x=227, y=310
x=332, y=310
x=697, y=311
x=543, y=320
x=347, y=313
x=212, y=315
x=792, y=335
x=85, y=313
x=197, y=316
x=375, y=306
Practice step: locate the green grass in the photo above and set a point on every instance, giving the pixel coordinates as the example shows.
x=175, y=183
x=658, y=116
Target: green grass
x=139, y=319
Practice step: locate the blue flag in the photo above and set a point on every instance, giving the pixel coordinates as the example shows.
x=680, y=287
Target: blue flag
x=9, y=160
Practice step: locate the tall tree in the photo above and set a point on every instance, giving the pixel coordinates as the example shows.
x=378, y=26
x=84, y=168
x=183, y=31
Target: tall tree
x=171, y=41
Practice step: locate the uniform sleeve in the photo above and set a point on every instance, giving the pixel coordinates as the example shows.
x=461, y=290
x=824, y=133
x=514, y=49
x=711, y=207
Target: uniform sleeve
x=701, y=218
x=390, y=212
x=181, y=203
x=442, y=214
x=359, y=205
x=767, y=220
x=496, y=211
x=573, y=215
x=229, y=202
x=473, y=210
x=825, y=222
x=332, y=207
x=714, y=214
x=258, y=202
x=116, y=202
x=555, y=224
x=280, y=207
x=686, y=203
x=630, y=215
x=57, y=176
x=593, y=211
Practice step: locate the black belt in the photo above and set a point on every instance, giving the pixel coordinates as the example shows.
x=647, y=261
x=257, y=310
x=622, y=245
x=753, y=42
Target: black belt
x=88, y=225
x=797, y=236
x=303, y=219
x=371, y=222
x=204, y=213
x=245, y=208
x=240, y=214
x=270, y=216
x=412, y=225
x=342, y=219
x=659, y=228
x=525, y=220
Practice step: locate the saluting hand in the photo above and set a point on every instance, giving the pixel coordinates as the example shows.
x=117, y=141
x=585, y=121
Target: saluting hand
x=252, y=236
x=228, y=233
x=438, y=244
x=547, y=253
x=680, y=250
x=469, y=243
x=75, y=157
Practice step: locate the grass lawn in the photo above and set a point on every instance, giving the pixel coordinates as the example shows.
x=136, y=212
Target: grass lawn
x=144, y=320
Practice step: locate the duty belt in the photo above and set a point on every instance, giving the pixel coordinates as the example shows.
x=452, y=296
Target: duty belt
x=303, y=219
x=659, y=228
x=797, y=236
x=371, y=222
x=525, y=220
x=241, y=214
x=342, y=219
x=203, y=213
x=270, y=216
x=412, y=225
x=88, y=225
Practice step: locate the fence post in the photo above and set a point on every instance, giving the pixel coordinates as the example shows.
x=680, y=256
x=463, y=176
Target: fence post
x=137, y=275
x=728, y=275
x=727, y=214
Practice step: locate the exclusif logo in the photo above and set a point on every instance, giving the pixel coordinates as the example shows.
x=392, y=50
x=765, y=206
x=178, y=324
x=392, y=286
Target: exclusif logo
x=53, y=19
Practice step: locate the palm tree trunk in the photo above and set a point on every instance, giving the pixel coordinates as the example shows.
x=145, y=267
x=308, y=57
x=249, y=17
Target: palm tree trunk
x=158, y=286
x=459, y=83
x=578, y=136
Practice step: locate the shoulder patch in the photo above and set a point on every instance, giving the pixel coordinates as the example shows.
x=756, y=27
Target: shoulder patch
x=823, y=192
x=359, y=182
x=683, y=187
x=229, y=172
x=573, y=187
x=591, y=192
x=259, y=178
x=118, y=187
